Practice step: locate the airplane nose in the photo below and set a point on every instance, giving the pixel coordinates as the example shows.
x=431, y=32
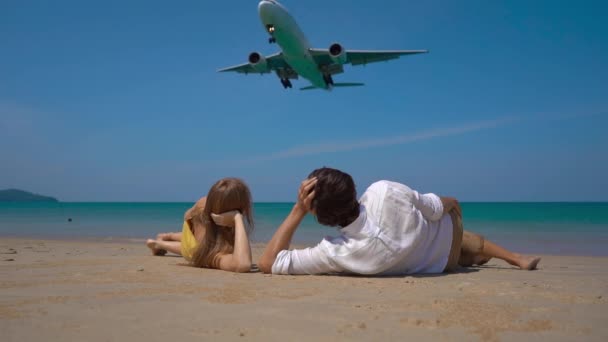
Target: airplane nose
x=265, y=9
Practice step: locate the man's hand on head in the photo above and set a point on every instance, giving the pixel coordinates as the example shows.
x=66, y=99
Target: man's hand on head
x=306, y=194
x=282, y=237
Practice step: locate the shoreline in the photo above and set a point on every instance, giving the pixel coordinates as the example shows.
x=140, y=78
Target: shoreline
x=60, y=290
x=297, y=244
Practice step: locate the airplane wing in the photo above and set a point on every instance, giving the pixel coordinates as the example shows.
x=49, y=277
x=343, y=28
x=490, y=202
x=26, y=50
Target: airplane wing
x=274, y=62
x=358, y=57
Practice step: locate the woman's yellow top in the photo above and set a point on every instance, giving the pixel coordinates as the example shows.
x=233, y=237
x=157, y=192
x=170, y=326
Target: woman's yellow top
x=188, y=243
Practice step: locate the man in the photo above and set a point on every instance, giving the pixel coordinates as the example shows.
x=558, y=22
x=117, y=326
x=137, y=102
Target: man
x=391, y=230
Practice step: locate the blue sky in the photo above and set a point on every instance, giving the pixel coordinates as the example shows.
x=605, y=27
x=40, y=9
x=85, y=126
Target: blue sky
x=121, y=101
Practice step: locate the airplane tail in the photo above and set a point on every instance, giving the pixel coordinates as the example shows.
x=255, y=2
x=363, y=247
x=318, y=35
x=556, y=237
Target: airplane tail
x=336, y=85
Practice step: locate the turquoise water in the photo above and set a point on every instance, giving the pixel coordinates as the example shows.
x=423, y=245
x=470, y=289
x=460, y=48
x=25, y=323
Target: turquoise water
x=548, y=228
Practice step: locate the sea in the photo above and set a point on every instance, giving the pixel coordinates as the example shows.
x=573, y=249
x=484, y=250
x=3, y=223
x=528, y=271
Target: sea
x=554, y=228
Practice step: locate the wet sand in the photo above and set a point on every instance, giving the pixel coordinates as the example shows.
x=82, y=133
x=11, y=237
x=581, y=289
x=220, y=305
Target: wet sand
x=55, y=290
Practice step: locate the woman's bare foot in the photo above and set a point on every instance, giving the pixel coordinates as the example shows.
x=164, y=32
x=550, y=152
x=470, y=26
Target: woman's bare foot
x=527, y=262
x=155, y=251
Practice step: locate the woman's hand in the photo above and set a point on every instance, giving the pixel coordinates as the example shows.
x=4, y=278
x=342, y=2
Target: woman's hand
x=449, y=204
x=226, y=219
x=305, y=195
x=240, y=259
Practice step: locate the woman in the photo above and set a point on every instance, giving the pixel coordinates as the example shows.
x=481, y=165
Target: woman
x=214, y=233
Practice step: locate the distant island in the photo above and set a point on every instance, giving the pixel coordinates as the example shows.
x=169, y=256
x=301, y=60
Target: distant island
x=14, y=195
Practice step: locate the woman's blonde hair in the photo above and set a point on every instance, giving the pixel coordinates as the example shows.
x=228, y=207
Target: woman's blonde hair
x=227, y=194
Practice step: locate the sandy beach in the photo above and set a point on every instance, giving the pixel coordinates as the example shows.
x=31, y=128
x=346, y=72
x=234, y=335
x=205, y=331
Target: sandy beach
x=57, y=290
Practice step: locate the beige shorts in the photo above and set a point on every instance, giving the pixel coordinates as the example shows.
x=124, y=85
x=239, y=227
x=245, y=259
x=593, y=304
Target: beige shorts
x=465, y=245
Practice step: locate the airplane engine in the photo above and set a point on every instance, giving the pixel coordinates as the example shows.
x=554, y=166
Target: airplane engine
x=337, y=53
x=258, y=62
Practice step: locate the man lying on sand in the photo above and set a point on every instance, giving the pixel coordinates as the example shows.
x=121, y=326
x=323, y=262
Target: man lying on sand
x=391, y=230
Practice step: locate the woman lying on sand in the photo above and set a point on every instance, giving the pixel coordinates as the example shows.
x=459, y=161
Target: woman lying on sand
x=214, y=233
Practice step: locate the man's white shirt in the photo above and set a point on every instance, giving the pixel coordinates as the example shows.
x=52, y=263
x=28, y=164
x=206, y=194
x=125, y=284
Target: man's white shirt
x=398, y=231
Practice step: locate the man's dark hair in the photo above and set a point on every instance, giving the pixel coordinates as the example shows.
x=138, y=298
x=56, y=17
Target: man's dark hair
x=335, y=202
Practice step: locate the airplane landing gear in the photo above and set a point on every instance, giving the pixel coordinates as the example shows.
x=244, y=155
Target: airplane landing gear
x=328, y=79
x=286, y=83
x=270, y=29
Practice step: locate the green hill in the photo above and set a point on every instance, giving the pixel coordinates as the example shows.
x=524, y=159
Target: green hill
x=14, y=195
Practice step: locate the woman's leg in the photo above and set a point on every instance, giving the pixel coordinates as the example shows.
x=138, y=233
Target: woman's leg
x=160, y=247
x=151, y=243
x=169, y=236
x=155, y=251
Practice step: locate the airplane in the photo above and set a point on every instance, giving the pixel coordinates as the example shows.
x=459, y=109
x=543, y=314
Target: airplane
x=298, y=58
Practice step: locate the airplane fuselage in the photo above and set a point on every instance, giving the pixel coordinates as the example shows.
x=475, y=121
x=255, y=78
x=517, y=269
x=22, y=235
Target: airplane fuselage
x=291, y=39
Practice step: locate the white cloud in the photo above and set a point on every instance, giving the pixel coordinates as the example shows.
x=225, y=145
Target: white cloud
x=332, y=147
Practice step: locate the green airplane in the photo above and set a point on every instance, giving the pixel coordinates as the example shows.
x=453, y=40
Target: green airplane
x=298, y=58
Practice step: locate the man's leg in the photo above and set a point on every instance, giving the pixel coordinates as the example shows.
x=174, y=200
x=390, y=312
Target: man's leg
x=477, y=250
x=455, y=250
x=525, y=262
x=471, y=250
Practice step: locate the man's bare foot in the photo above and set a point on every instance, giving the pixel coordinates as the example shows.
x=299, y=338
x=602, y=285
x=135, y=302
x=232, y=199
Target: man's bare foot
x=155, y=251
x=527, y=262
